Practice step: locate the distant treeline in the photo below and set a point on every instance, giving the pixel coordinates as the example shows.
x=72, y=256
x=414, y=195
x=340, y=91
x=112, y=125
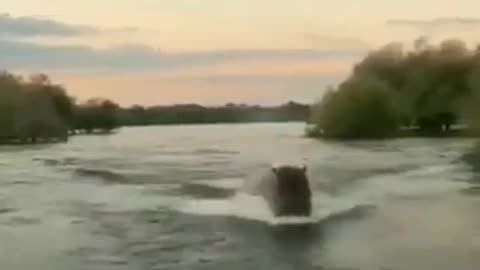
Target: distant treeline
x=196, y=114
x=34, y=110
x=393, y=92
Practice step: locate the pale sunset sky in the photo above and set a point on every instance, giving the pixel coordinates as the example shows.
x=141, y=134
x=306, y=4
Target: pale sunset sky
x=214, y=51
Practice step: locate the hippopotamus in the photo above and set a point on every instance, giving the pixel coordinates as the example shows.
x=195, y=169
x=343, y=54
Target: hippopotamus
x=286, y=190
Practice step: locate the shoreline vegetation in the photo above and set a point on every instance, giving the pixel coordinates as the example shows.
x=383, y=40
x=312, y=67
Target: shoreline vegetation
x=196, y=114
x=34, y=110
x=427, y=91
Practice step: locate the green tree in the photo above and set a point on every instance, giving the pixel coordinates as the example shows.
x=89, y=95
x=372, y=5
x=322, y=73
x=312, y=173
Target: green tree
x=10, y=89
x=359, y=108
x=33, y=110
x=429, y=85
x=96, y=115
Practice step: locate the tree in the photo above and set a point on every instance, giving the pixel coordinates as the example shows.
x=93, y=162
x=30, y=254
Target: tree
x=96, y=115
x=10, y=89
x=33, y=110
x=359, y=108
x=429, y=84
x=471, y=109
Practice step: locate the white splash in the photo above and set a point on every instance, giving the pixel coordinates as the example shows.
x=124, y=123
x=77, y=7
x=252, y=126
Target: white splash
x=252, y=207
x=227, y=183
x=292, y=163
x=423, y=182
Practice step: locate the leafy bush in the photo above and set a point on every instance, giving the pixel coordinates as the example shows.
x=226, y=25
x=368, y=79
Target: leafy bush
x=96, y=115
x=360, y=108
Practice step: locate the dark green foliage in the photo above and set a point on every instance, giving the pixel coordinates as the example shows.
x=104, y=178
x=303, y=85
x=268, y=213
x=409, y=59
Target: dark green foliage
x=38, y=111
x=33, y=111
x=471, y=107
x=428, y=89
x=196, y=114
x=361, y=108
x=96, y=116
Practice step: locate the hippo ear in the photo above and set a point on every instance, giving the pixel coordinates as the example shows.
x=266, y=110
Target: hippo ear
x=274, y=170
x=304, y=168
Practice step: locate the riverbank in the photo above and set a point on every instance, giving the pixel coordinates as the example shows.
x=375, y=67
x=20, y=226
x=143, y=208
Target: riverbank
x=53, y=140
x=455, y=132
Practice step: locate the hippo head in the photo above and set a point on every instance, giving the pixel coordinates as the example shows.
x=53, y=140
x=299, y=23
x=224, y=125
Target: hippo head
x=293, y=191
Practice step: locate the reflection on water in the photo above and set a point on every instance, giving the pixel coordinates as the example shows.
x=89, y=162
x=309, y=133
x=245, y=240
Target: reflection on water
x=167, y=198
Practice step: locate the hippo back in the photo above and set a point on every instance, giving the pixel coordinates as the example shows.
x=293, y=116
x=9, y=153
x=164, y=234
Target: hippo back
x=293, y=195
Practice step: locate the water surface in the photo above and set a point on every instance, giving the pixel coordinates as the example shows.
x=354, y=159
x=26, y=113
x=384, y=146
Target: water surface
x=165, y=198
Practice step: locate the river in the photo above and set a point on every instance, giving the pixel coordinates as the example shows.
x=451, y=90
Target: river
x=166, y=198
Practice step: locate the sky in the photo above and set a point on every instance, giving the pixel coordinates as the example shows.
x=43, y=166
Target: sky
x=212, y=52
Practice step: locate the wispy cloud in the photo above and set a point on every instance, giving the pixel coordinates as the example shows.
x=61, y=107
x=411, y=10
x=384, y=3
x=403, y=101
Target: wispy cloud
x=29, y=26
x=131, y=58
x=33, y=26
x=437, y=22
x=437, y=29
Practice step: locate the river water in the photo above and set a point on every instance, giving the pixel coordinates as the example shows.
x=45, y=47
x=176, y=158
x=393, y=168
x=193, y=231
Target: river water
x=166, y=198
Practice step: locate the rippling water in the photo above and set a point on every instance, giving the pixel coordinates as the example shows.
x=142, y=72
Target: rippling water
x=166, y=198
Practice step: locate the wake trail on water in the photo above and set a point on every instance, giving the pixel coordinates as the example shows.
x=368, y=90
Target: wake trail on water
x=254, y=207
x=422, y=182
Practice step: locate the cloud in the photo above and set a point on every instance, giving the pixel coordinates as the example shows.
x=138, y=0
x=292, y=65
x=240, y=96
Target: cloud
x=437, y=29
x=32, y=26
x=437, y=22
x=28, y=26
x=20, y=55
